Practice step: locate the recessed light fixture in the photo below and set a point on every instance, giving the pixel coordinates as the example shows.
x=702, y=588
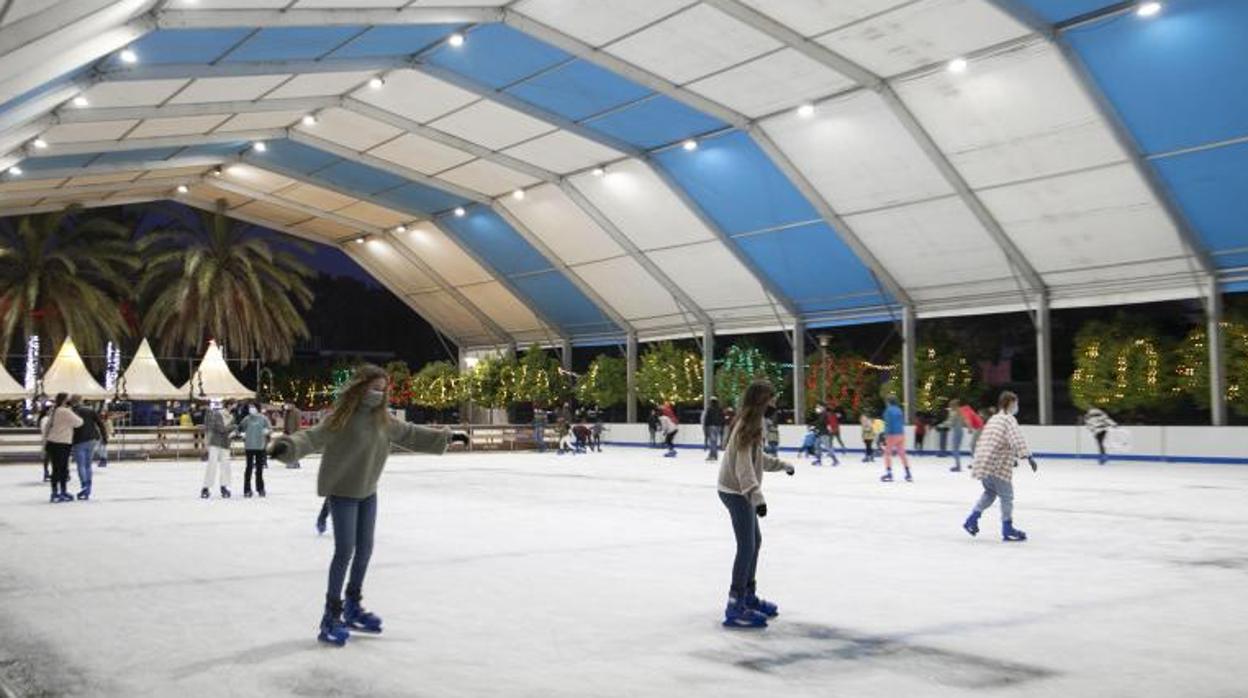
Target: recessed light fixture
x=598, y=172
x=400, y=228
x=455, y=40
x=957, y=65
x=1148, y=9
x=259, y=147
x=518, y=194
x=360, y=240
x=460, y=212
x=39, y=143
x=15, y=171
x=806, y=111
x=182, y=189
x=216, y=171
x=128, y=56
x=690, y=145
x=376, y=83
x=80, y=101
x=309, y=120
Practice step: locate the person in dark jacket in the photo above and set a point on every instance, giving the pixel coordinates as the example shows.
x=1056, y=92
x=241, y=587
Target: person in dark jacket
x=292, y=421
x=713, y=428
x=653, y=425
x=86, y=437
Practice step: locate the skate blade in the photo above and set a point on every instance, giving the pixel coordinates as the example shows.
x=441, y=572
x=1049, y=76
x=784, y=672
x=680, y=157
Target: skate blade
x=746, y=626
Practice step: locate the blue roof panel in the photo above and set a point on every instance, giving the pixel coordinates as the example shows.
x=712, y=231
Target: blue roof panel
x=296, y=156
x=811, y=265
x=419, y=198
x=486, y=233
x=356, y=177
x=182, y=46
x=497, y=55
x=291, y=43
x=394, y=40
x=58, y=162
x=1210, y=185
x=578, y=90
x=127, y=156
x=561, y=301
x=657, y=121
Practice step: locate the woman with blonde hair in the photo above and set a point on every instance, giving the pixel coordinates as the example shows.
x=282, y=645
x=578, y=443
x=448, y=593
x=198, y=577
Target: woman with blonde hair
x=740, y=489
x=355, y=442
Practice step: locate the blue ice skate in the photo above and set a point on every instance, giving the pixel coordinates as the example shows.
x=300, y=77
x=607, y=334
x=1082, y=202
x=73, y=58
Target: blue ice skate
x=971, y=525
x=333, y=630
x=887, y=476
x=1010, y=534
x=356, y=618
x=736, y=615
x=763, y=606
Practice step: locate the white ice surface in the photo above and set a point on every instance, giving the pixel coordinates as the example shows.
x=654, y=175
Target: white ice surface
x=605, y=575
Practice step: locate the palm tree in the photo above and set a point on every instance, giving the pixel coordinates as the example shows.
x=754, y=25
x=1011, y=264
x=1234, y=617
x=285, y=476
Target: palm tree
x=207, y=276
x=64, y=275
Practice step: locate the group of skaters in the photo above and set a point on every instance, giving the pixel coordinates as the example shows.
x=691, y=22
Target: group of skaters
x=228, y=420
x=575, y=432
x=71, y=429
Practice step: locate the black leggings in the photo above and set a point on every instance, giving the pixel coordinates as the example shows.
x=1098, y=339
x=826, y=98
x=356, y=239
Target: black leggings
x=59, y=455
x=257, y=459
x=868, y=445
x=1100, y=441
x=749, y=540
x=669, y=440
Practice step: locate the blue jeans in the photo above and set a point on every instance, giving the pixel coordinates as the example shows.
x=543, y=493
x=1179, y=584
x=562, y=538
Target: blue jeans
x=956, y=445
x=82, y=454
x=714, y=435
x=354, y=522
x=749, y=540
x=539, y=437
x=995, y=487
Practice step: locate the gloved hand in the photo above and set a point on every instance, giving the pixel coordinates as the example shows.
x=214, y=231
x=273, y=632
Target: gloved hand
x=761, y=510
x=459, y=437
x=1033, y=463
x=789, y=470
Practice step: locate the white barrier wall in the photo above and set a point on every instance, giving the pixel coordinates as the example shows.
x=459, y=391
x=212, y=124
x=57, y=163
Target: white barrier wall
x=1209, y=444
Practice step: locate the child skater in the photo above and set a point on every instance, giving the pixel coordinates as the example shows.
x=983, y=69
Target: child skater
x=740, y=489
x=894, y=439
x=868, y=436
x=355, y=441
x=996, y=454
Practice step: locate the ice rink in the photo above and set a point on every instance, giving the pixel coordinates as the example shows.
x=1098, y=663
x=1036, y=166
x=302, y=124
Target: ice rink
x=606, y=575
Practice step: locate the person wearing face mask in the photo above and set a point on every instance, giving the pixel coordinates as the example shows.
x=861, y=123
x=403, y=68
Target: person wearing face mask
x=255, y=430
x=355, y=442
x=1000, y=447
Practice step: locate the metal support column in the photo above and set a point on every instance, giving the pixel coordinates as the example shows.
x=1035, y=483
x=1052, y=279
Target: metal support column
x=630, y=371
x=565, y=355
x=799, y=373
x=909, y=336
x=1217, y=355
x=1044, y=360
x=708, y=365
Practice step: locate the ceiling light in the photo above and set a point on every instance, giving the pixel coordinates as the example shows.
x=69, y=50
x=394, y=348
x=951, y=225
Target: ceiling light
x=957, y=65
x=360, y=240
x=128, y=56
x=598, y=172
x=15, y=170
x=518, y=194
x=80, y=101
x=39, y=143
x=259, y=147
x=309, y=120
x=376, y=83
x=182, y=189
x=216, y=171
x=1148, y=9
x=806, y=111
x=455, y=39
x=400, y=228
x=690, y=145
x=460, y=212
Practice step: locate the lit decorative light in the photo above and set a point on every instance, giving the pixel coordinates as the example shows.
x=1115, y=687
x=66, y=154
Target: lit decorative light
x=1148, y=9
x=957, y=65
x=690, y=145
x=39, y=143
x=376, y=83
x=518, y=195
x=112, y=362
x=806, y=111
x=81, y=101
x=15, y=171
x=128, y=56
x=455, y=40
x=598, y=172
x=309, y=120
x=32, y=367
x=460, y=212
x=182, y=189
x=259, y=146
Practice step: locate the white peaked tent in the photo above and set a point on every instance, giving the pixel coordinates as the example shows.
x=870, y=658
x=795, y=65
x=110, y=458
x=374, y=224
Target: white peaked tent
x=143, y=379
x=69, y=375
x=10, y=389
x=217, y=381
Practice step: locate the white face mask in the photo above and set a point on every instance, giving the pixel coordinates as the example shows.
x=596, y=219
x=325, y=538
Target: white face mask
x=373, y=398
x=1013, y=410
x=253, y=410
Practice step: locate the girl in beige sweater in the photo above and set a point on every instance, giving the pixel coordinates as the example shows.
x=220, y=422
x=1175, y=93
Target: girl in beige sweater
x=58, y=432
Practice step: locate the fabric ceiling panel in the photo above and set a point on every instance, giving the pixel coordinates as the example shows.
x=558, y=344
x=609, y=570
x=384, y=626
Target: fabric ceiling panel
x=58, y=162
x=239, y=87
x=780, y=80
x=498, y=303
x=487, y=234
x=257, y=178
x=132, y=93
x=355, y=177
x=183, y=46
x=641, y=205
x=452, y=263
x=1060, y=10
x=316, y=197
x=327, y=229
x=563, y=152
x=392, y=40
x=856, y=153
x=84, y=133
x=419, y=198
x=272, y=212
x=261, y=120
x=561, y=301
x=712, y=277
x=420, y=154
x=206, y=192
x=655, y=122
x=497, y=55
x=492, y=125
x=291, y=43
x=578, y=89
x=563, y=226
x=398, y=270
x=28, y=184
x=359, y=133
x=629, y=289
x=374, y=215
x=320, y=85
x=934, y=245
x=1179, y=79
x=447, y=312
x=598, y=22
x=177, y=126
x=1107, y=218
x=416, y=96
x=102, y=179
x=692, y=44
x=922, y=33
x=813, y=17
x=1013, y=116
x=297, y=157
x=1210, y=185
x=487, y=177
x=811, y=266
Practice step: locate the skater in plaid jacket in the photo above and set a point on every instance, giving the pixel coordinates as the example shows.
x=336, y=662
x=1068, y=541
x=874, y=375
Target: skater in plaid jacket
x=1000, y=447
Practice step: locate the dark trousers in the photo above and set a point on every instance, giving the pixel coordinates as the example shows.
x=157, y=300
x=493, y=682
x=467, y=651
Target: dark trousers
x=47, y=459
x=1100, y=443
x=354, y=523
x=944, y=441
x=669, y=440
x=59, y=455
x=868, y=446
x=257, y=459
x=749, y=541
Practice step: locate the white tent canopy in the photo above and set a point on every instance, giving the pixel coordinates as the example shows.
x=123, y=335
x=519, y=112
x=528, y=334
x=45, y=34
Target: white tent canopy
x=213, y=380
x=143, y=379
x=69, y=374
x=10, y=389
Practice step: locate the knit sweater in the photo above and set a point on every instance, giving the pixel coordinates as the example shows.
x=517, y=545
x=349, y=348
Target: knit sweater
x=60, y=425
x=741, y=472
x=219, y=426
x=353, y=457
x=1000, y=445
x=255, y=429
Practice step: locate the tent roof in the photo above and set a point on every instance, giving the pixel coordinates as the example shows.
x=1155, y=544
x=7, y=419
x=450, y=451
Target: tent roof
x=143, y=379
x=843, y=171
x=213, y=380
x=10, y=389
x=68, y=374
